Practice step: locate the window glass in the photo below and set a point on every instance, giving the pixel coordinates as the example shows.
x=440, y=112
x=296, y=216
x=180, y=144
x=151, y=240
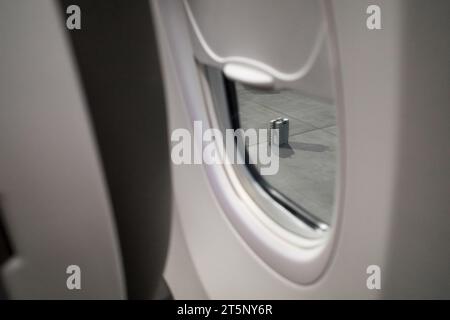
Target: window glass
x=308, y=160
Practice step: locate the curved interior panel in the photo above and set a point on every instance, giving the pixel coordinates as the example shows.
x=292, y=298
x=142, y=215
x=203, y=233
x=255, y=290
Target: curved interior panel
x=254, y=30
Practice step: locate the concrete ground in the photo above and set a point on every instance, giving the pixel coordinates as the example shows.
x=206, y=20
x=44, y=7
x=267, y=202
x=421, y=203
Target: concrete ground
x=308, y=164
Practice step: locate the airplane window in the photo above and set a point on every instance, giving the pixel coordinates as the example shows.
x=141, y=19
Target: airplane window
x=308, y=147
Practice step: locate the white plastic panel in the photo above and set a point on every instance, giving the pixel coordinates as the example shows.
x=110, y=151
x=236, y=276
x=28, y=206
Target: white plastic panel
x=252, y=29
x=249, y=33
x=52, y=188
